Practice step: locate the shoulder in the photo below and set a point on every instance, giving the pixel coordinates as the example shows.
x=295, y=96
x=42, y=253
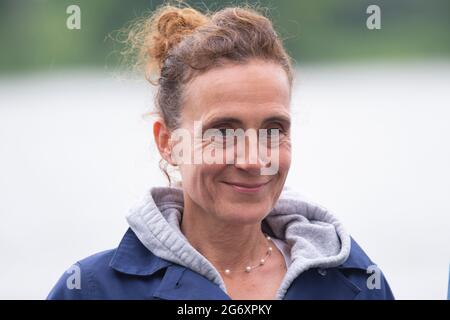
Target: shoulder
x=358, y=278
x=130, y=271
x=79, y=281
x=365, y=275
x=358, y=259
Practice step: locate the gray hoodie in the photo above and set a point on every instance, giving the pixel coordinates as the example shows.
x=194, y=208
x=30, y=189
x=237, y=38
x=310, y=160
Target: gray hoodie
x=316, y=238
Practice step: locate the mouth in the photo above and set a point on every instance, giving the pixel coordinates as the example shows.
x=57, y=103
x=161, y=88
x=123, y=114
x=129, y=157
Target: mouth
x=247, y=187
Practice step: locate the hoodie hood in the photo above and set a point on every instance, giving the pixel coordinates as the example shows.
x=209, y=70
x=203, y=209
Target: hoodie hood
x=316, y=238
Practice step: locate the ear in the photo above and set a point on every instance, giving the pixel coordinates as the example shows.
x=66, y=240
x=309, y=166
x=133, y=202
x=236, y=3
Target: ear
x=162, y=140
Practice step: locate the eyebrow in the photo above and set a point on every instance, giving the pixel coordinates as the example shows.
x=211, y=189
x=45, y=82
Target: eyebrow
x=232, y=120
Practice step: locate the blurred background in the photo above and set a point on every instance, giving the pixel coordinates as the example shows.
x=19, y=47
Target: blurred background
x=371, y=132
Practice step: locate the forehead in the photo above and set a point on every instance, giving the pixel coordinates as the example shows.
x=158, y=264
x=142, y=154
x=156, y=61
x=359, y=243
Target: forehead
x=250, y=91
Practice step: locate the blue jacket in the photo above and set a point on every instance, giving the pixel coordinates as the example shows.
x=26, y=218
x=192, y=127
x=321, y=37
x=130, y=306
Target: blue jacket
x=131, y=271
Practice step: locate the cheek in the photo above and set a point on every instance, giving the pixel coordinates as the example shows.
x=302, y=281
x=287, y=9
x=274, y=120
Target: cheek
x=200, y=177
x=284, y=159
x=208, y=174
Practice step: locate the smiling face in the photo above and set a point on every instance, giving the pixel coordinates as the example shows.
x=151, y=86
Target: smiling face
x=255, y=95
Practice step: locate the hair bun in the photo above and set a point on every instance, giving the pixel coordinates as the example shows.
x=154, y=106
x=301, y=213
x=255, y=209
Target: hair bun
x=169, y=26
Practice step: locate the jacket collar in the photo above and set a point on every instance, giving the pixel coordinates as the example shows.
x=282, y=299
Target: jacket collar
x=180, y=283
x=357, y=258
x=132, y=257
x=317, y=283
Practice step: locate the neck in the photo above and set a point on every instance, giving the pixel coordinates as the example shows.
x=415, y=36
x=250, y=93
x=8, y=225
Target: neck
x=226, y=245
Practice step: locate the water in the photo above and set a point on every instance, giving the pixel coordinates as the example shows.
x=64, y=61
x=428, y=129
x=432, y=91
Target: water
x=371, y=143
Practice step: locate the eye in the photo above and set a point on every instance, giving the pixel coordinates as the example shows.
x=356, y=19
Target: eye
x=273, y=131
x=226, y=132
x=221, y=136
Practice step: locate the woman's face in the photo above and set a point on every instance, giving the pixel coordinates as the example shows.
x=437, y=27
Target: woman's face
x=252, y=96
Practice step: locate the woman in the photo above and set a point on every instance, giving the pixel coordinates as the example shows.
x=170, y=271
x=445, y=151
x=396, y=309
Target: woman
x=230, y=230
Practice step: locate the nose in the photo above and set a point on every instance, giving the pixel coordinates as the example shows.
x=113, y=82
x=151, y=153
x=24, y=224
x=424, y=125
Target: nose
x=249, y=157
x=252, y=168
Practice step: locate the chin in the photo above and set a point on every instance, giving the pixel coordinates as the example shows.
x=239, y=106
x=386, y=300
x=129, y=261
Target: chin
x=244, y=213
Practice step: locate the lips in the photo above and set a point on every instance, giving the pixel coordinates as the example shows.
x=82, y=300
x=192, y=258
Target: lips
x=246, y=187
